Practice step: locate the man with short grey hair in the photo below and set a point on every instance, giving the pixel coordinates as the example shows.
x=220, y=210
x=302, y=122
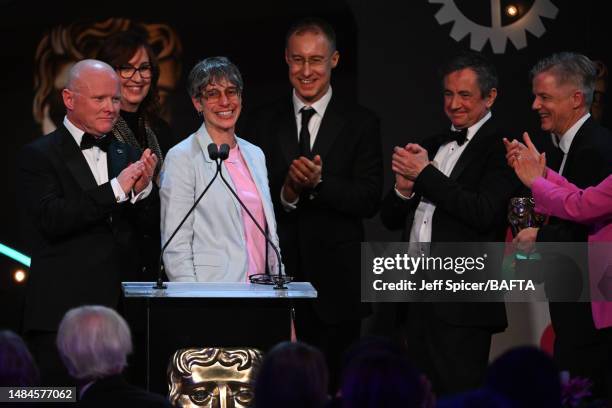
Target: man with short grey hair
x=94, y=342
x=563, y=86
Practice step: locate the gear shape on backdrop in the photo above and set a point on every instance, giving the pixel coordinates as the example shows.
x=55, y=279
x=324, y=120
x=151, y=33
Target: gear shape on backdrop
x=497, y=34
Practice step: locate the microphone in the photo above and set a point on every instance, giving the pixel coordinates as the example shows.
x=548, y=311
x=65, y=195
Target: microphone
x=224, y=151
x=264, y=278
x=213, y=153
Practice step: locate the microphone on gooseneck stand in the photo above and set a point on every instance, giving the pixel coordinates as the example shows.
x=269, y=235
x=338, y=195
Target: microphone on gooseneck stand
x=213, y=153
x=279, y=280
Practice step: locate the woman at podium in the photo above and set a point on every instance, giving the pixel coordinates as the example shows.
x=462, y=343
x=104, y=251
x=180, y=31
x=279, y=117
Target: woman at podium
x=218, y=242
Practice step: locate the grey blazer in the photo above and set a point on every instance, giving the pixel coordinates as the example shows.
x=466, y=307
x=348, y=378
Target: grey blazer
x=210, y=246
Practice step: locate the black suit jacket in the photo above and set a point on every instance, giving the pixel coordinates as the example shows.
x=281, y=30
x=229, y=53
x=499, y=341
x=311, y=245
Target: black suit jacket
x=114, y=391
x=79, y=236
x=471, y=206
x=320, y=240
x=589, y=161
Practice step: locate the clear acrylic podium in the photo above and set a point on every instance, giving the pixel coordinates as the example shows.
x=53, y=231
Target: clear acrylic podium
x=199, y=314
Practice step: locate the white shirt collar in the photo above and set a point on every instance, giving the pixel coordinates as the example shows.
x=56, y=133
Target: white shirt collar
x=568, y=137
x=476, y=126
x=319, y=106
x=77, y=134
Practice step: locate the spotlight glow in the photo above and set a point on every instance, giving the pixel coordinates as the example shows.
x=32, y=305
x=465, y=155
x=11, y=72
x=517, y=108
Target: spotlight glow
x=19, y=276
x=512, y=10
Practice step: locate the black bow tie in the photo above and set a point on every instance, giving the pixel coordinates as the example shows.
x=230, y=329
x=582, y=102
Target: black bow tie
x=88, y=141
x=459, y=136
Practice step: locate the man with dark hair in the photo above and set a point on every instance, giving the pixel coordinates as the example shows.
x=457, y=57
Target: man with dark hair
x=581, y=151
x=84, y=196
x=325, y=170
x=454, y=187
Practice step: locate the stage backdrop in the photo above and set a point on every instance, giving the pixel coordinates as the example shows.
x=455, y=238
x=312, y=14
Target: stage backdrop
x=390, y=55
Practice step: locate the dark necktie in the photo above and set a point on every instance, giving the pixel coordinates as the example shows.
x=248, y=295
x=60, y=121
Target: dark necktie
x=554, y=154
x=88, y=141
x=306, y=113
x=459, y=136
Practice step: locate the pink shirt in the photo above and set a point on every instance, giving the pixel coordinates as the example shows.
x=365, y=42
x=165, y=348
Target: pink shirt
x=247, y=191
x=556, y=196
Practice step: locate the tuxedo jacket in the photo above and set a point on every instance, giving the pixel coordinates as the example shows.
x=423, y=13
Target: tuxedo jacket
x=321, y=238
x=589, y=161
x=80, y=237
x=471, y=206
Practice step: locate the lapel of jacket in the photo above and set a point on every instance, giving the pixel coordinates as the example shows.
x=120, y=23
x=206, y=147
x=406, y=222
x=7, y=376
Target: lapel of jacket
x=116, y=158
x=432, y=145
x=75, y=161
x=473, y=149
x=586, y=128
x=331, y=125
x=287, y=133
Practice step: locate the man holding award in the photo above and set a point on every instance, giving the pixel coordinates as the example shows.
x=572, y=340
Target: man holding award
x=563, y=86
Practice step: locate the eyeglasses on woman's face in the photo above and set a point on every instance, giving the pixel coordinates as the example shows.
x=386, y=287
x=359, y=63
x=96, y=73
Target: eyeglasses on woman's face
x=128, y=71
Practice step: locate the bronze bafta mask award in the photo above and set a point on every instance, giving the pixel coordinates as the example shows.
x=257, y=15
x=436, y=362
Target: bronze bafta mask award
x=213, y=377
x=521, y=214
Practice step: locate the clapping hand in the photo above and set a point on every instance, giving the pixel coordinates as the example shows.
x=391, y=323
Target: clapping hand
x=409, y=161
x=303, y=174
x=149, y=162
x=527, y=162
x=128, y=176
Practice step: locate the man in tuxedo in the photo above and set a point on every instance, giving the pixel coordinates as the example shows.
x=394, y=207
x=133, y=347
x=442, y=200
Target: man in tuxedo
x=325, y=170
x=84, y=194
x=581, y=151
x=454, y=187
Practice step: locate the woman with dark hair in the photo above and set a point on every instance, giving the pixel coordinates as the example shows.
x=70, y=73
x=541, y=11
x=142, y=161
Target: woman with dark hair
x=139, y=123
x=292, y=375
x=17, y=367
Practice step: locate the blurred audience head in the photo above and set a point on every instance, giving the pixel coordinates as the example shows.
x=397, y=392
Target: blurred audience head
x=481, y=398
x=527, y=376
x=93, y=342
x=292, y=375
x=377, y=375
x=17, y=367
x=368, y=344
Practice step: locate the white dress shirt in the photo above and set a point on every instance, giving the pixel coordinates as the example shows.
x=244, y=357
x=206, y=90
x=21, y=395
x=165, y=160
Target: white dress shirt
x=445, y=160
x=565, y=142
x=97, y=162
x=314, y=124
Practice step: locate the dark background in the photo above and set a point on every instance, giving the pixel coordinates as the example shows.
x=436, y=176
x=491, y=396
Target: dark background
x=390, y=55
